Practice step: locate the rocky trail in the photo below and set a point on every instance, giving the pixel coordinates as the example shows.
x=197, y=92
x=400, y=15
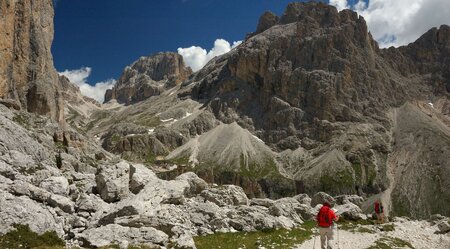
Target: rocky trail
x=406, y=233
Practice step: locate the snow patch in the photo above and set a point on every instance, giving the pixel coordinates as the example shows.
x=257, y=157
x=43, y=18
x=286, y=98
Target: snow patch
x=167, y=120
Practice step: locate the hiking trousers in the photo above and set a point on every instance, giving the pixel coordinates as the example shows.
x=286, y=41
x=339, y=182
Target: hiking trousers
x=326, y=237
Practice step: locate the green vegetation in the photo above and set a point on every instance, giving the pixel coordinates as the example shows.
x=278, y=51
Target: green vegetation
x=150, y=158
x=358, y=172
x=391, y=242
x=97, y=117
x=116, y=138
x=356, y=226
x=150, y=122
x=180, y=161
x=256, y=171
x=22, y=120
x=23, y=237
x=273, y=238
x=340, y=182
x=388, y=228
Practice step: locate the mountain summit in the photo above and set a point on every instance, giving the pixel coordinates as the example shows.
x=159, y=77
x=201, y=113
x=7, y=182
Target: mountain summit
x=149, y=76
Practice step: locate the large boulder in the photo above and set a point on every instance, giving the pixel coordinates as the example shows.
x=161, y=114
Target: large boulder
x=287, y=207
x=355, y=199
x=62, y=202
x=23, y=210
x=444, y=226
x=321, y=197
x=303, y=199
x=116, y=234
x=90, y=203
x=196, y=184
x=56, y=184
x=261, y=202
x=226, y=195
x=350, y=211
x=140, y=176
x=113, y=181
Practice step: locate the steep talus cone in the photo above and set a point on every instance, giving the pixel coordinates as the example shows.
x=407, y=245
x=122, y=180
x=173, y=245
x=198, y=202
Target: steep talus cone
x=27, y=74
x=149, y=76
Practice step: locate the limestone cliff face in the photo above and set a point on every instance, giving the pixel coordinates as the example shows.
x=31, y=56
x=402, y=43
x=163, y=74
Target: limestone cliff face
x=149, y=76
x=27, y=74
x=325, y=107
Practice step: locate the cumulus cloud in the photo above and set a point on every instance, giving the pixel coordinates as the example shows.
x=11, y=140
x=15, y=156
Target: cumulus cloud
x=96, y=91
x=339, y=4
x=197, y=57
x=399, y=22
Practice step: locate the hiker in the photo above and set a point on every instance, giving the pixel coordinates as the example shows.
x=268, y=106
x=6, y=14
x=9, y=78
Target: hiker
x=325, y=219
x=379, y=211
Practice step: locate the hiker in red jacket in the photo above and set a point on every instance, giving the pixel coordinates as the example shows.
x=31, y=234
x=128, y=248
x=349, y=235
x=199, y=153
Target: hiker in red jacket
x=379, y=211
x=325, y=219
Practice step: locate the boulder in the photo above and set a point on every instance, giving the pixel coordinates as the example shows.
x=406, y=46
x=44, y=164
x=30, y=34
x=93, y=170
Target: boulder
x=24, y=188
x=23, y=210
x=252, y=218
x=62, y=202
x=226, y=195
x=444, y=226
x=350, y=211
x=355, y=199
x=196, y=184
x=321, y=197
x=113, y=181
x=184, y=241
x=303, y=199
x=261, y=202
x=116, y=234
x=139, y=177
x=91, y=203
x=56, y=184
x=286, y=207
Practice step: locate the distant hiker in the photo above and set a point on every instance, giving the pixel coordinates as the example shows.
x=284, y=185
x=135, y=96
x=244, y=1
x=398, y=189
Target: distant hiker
x=325, y=219
x=379, y=211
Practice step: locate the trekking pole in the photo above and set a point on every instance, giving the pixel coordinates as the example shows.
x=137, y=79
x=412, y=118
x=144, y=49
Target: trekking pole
x=337, y=231
x=315, y=237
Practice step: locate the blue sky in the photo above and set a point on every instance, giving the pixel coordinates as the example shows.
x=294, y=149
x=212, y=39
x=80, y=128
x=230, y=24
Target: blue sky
x=107, y=35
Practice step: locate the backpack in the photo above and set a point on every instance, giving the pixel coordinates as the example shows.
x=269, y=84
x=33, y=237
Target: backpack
x=378, y=207
x=323, y=217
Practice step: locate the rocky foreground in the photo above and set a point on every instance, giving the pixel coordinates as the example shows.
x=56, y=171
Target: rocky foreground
x=60, y=182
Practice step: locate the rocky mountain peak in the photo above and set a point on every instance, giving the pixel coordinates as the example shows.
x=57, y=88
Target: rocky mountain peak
x=149, y=76
x=266, y=21
x=313, y=15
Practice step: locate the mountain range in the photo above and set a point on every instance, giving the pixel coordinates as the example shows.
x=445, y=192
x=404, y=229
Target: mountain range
x=307, y=103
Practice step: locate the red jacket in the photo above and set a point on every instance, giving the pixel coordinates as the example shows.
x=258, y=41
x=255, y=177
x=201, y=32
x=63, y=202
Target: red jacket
x=325, y=217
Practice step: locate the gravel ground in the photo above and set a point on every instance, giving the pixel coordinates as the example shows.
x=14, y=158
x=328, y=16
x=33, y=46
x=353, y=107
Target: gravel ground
x=419, y=233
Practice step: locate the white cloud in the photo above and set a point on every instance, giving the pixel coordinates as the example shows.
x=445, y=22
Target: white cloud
x=399, y=22
x=96, y=91
x=339, y=4
x=197, y=57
